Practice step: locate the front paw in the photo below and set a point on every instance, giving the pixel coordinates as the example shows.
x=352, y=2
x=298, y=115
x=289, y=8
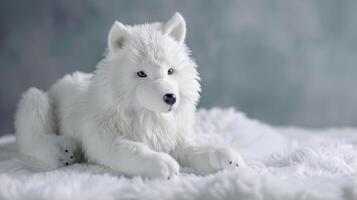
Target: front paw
x=210, y=159
x=161, y=165
x=221, y=158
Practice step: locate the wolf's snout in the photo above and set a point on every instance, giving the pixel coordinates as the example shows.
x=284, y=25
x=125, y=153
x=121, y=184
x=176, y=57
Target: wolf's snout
x=170, y=99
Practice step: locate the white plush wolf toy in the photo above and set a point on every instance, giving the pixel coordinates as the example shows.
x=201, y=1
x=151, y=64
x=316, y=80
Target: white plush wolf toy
x=134, y=114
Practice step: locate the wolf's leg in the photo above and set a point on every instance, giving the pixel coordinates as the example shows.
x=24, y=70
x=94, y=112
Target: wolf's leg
x=129, y=157
x=207, y=159
x=35, y=127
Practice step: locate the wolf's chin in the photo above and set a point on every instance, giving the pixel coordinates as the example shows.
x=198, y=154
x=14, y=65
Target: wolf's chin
x=170, y=109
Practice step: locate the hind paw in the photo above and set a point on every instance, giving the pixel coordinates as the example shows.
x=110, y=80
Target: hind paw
x=57, y=151
x=68, y=151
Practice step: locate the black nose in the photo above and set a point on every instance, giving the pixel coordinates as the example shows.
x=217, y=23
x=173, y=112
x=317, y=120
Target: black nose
x=170, y=99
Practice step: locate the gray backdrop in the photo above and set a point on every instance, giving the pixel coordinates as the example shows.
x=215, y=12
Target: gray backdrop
x=284, y=62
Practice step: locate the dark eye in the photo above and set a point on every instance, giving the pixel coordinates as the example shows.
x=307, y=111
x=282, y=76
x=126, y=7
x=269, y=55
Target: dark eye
x=170, y=71
x=141, y=74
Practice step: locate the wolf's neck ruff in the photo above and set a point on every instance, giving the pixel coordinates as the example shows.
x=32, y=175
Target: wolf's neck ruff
x=157, y=130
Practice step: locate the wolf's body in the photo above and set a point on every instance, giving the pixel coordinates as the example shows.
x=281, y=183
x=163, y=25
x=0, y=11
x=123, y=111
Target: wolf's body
x=134, y=114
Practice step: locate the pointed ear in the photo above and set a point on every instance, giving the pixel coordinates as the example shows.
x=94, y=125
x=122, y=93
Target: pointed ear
x=176, y=28
x=118, y=35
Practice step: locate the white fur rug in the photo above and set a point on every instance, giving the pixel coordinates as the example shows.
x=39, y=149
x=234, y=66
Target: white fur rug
x=283, y=163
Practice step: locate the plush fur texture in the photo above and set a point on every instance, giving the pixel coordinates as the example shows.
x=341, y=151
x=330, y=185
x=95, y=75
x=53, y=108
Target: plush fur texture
x=121, y=116
x=282, y=164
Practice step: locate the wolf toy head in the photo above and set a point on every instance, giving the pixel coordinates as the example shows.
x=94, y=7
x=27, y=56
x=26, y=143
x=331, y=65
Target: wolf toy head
x=151, y=66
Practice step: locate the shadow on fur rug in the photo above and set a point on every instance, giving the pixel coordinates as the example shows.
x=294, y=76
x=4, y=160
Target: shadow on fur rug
x=283, y=163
